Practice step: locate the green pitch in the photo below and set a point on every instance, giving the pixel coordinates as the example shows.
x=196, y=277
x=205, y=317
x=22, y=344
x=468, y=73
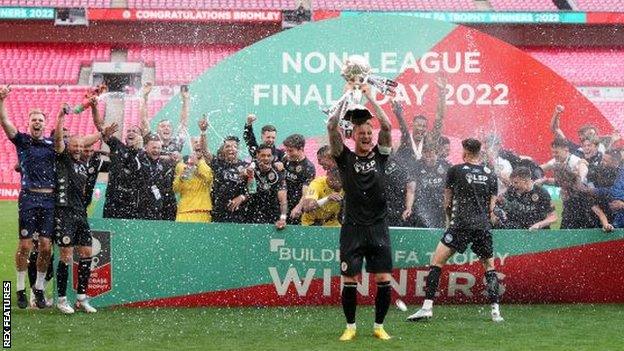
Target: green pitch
x=465, y=328
x=539, y=327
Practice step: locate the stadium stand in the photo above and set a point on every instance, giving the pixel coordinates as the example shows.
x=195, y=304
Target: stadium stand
x=48, y=99
x=600, y=5
x=58, y=3
x=131, y=111
x=179, y=65
x=47, y=63
x=584, y=67
x=458, y=5
x=614, y=111
x=213, y=4
x=524, y=5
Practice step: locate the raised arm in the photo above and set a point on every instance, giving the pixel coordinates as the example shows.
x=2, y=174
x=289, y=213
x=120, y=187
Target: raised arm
x=555, y=122
x=203, y=140
x=336, y=143
x=145, y=127
x=436, y=133
x=184, y=112
x=59, y=144
x=405, y=133
x=385, y=138
x=249, y=136
x=7, y=126
x=98, y=121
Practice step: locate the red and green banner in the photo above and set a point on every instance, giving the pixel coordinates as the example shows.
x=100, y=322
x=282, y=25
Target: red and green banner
x=180, y=264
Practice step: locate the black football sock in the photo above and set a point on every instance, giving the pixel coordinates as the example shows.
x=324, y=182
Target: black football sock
x=349, y=301
x=32, y=268
x=50, y=273
x=492, y=286
x=432, y=282
x=382, y=301
x=84, y=272
x=61, y=278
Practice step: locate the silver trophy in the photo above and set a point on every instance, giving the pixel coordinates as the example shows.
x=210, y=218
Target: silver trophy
x=357, y=71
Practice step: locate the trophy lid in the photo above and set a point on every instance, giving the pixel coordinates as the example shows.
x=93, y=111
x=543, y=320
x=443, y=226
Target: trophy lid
x=358, y=114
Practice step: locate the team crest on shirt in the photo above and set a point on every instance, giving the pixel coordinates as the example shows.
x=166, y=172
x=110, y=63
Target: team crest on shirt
x=24, y=232
x=298, y=169
x=344, y=266
x=66, y=240
x=271, y=176
x=535, y=197
x=448, y=238
x=487, y=170
x=391, y=167
x=440, y=169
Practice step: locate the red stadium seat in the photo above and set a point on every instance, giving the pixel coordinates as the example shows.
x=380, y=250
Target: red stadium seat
x=47, y=63
x=524, y=5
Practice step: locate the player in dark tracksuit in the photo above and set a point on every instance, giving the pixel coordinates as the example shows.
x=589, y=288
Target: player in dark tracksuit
x=364, y=233
x=469, y=199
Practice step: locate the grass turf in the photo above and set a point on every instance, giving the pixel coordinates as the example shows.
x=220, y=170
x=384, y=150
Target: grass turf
x=543, y=327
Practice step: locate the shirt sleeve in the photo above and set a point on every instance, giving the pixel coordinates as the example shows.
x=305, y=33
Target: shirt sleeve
x=342, y=159
x=250, y=140
x=310, y=173
x=20, y=140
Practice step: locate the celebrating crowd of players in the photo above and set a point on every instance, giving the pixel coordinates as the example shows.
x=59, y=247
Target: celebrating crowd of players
x=149, y=179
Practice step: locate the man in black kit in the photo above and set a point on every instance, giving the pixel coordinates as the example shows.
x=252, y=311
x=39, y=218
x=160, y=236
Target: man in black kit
x=299, y=172
x=229, y=189
x=72, y=229
x=364, y=233
x=469, y=199
x=269, y=204
x=155, y=179
x=526, y=205
x=430, y=175
x=268, y=135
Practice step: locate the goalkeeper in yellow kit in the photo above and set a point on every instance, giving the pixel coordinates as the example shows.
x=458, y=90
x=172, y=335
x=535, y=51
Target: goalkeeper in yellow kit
x=323, y=201
x=193, y=182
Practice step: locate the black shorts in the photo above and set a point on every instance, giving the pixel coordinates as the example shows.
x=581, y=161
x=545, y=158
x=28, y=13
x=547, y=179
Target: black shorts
x=72, y=228
x=36, y=215
x=359, y=242
x=481, y=241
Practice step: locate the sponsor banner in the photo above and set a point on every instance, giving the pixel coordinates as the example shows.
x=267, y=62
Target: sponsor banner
x=487, y=17
x=190, y=264
x=184, y=15
x=603, y=94
x=101, y=280
x=27, y=13
x=9, y=191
